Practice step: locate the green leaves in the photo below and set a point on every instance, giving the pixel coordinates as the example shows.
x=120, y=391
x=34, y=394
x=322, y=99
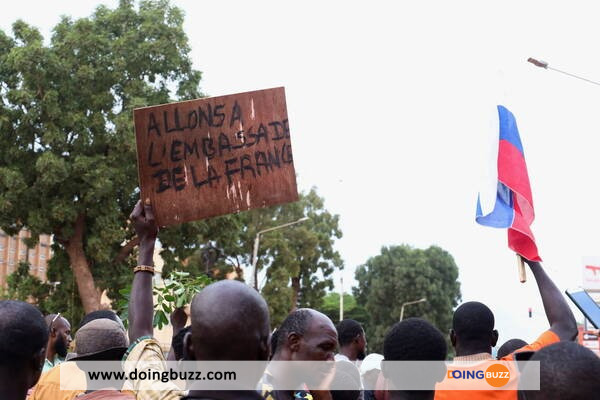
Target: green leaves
x=301, y=253
x=67, y=146
x=402, y=274
x=175, y=292
x=25, y=287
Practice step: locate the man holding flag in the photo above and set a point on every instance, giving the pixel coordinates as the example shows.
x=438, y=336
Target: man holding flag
x=473, y=335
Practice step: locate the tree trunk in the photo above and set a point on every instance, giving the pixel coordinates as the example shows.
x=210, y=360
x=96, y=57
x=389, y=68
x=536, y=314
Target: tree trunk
x=295, y=292
x=88, y=293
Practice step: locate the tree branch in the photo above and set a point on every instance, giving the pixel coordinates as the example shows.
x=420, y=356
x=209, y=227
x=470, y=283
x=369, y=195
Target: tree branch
x=127, y=249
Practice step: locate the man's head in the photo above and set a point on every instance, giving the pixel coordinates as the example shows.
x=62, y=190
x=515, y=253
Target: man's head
x=306, y=335
x=473, y=329
x=101, y=314
x=59, y=330
x=100, y=340
x=230, y=321
x=23, y=339
x=413, y=339
x=510, y=346
x=352, y=339
x=568, y=371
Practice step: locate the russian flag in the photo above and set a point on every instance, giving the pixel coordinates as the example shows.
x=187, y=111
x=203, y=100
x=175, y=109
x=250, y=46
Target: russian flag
x=513, y=205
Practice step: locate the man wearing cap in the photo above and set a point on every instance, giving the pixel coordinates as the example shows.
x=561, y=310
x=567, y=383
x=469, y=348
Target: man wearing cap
x=98, y=340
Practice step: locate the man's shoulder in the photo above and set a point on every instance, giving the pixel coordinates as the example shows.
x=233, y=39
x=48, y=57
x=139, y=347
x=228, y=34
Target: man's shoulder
x=545, y=339
x=143, y=348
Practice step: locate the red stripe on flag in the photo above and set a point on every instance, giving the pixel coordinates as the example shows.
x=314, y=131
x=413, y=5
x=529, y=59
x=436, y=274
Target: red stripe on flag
x=512, y=170
x=520, y=237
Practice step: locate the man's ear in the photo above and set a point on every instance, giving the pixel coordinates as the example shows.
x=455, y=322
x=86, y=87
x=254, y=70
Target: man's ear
x=494, y=338
x=294, y=342
x=39, y=359
x=453, y=337
x=188, y=347
x=53, y=332
x=37, y=365
x=265, y=348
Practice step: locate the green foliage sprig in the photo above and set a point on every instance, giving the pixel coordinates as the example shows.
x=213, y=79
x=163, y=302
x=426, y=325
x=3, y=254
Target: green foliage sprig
x=178, y=290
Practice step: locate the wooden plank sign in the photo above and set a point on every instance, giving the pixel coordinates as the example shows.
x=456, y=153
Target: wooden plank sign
x=214, y=156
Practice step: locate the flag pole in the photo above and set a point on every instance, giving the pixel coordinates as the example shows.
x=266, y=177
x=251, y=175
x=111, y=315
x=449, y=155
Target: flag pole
x=521, y=268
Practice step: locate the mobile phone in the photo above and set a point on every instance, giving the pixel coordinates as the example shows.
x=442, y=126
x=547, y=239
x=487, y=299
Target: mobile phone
x=586, y=305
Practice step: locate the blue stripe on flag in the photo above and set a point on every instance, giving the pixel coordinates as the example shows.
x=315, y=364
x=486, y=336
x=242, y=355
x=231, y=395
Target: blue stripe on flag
x=503, y=214
x=508, y=128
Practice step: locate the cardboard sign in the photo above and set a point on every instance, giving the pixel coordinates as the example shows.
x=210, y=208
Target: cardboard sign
x=214, y=156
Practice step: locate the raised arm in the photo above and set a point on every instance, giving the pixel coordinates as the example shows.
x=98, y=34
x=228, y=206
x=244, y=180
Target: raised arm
x=141, y=305
x=560, y=316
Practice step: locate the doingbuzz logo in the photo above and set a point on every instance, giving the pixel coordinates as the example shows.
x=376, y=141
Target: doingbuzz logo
x=496, y=375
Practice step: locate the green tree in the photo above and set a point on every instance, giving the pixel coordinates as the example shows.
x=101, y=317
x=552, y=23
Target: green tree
x=401, y=274
x=352, y=310
x=299, y=260
x=67, y=148
x=21, y=285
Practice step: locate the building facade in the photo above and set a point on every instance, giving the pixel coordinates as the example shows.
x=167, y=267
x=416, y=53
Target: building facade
x=14, y=250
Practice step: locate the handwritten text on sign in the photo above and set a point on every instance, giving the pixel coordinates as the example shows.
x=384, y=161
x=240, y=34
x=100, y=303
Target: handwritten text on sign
x=214, y=156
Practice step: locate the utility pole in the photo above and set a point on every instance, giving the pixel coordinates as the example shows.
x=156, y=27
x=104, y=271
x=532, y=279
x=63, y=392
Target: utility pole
x=341, y=298
x=409, y=303
x=254, y=272
x=544, y=64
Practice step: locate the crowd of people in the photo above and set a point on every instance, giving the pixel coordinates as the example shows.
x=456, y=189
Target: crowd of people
x=230, y=321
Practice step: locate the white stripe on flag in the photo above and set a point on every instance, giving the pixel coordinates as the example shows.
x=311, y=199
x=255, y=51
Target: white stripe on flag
x=489, y=174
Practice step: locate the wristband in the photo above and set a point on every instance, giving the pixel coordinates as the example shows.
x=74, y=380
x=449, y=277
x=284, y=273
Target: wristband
x=145, y=268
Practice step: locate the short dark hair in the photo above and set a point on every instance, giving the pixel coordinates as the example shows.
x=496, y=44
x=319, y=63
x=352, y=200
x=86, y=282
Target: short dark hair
x=473, y=322
x=348, y=329
x=414, y=339
x=297, y=322
x=510, y=346
x=100, y=314
x=567, y=371
x=23, y=331
x=177, y=342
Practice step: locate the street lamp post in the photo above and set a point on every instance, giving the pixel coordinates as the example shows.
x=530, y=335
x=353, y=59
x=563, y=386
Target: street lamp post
x=409, y=303
x=544, y=64
x=254, y=274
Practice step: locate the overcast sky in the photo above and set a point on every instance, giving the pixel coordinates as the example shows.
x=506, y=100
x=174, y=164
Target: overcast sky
x=390, y=106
